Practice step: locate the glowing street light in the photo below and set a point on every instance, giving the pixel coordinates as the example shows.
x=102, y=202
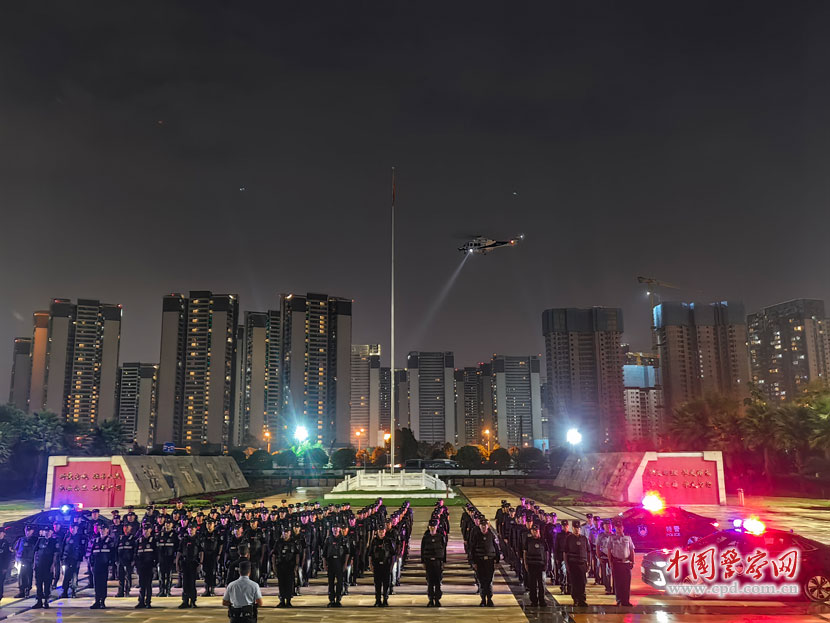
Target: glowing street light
x=357, y=434
x=574, y=437
x=487, y=432
x=301, y=434
x=387, y=437
x=268, y=439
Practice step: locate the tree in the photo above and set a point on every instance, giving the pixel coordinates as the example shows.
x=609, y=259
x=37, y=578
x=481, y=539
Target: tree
x=260, y=459
x=469, y=457
x=442, y=451
x=343, y=458
x=760, y=427
x=8, y=439
x=379, y=458
x=42, y=434
x=286, y=458
x=795, y=426
x=500, y=458
x=108, y=439
x=531, y=459
x=317, y=457
x=237, y=455
x=689, y=426
x=406, y=445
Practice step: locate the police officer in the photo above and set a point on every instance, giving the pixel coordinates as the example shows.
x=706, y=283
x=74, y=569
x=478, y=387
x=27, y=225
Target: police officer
x=190, y=557
x=72, y=553
x=168, y=547
x=45, y=551
x=433, y=556
x=125, y=556
x=485, y=553
x=286, y=558
x=603, y=541
x=577, y=551
x=243, y=596
x=621, y=555
x=25, y=555
x=101, y=554
x=381, y=553
x=535, y=555
x=212, y=546
x=146, y=555
x=6, y=557
x=336, y=558
x=559, y=547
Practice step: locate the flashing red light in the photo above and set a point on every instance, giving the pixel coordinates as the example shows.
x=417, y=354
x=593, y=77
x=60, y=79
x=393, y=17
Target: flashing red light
x=653, y=503
x=754, y=526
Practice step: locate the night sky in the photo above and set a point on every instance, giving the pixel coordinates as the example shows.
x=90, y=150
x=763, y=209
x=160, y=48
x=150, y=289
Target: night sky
x=681, y=140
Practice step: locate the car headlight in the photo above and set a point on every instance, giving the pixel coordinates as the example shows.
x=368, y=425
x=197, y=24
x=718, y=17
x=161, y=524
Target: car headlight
x=660, y=563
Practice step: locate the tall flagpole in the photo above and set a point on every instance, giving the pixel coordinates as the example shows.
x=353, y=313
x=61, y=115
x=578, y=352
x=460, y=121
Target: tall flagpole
x=392, y=340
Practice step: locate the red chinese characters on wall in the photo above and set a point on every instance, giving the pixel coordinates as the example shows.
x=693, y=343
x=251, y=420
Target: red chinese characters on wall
x=92, y=483
x=683, y=480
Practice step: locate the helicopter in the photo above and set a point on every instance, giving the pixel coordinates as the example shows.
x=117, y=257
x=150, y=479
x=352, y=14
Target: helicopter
x=482, y=245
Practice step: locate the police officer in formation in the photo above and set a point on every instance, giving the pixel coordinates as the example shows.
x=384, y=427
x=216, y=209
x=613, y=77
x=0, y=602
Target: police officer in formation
x=24, y=550
x=146, y=558
x=286, y=560
x=102, y=553
x=483, y=551
x=6, y=557
x=433, y=557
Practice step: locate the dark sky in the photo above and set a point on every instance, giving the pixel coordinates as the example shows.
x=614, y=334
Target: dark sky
x=682, y=140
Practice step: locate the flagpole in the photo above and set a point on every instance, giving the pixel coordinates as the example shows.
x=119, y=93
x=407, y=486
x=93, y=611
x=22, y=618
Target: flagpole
x=392, y=340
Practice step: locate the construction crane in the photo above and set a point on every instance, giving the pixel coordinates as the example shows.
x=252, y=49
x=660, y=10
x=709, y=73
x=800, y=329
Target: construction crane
x=653, y=284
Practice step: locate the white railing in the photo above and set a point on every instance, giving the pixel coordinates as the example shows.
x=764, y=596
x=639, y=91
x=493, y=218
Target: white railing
x=384, y=481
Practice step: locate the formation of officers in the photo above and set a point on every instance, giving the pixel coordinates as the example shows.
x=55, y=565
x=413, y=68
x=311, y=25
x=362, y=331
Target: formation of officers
x=291, y=543
x=569, y=552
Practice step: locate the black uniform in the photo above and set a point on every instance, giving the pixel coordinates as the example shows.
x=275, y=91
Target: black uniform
x=535, y=556
x=126, y=558
x=577, y=550
x=433, y=555
x=146, y=555
x=72, y=553
x=212, y=546
x=45, y=552
x=5, y=562
x=381, y=554
x=102, y=553
x=190, y=557
x=485, y=553
x=167, y=547
x=286, y=559
x=25, y=554
x=336, y=553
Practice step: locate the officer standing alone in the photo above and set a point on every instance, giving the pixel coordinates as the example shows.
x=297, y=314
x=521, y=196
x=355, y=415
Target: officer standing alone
x=243, y=596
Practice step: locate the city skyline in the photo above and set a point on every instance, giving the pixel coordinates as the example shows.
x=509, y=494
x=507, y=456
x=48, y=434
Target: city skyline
x=267, y=134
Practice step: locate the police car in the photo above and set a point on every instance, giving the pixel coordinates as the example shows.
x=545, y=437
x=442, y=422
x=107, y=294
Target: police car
x=748, y=561
x=654, y=525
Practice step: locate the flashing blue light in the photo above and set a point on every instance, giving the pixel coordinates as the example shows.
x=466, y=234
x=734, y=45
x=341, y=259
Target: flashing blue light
x=66, y=508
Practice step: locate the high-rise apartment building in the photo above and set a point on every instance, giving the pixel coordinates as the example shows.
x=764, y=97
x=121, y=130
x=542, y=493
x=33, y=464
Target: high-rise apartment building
x=315, y=357
x=137, y=401
x=584, y=373
x=361, y=394
x=252, y=414
x=518, y=402
x=643, y=402
x=74, y=365
x=40, y=348
x=432, y=411
x=197, y=373
x=380, y=400
x=21, y=373
x=702, y=349
x=789, y=347
x=474, y=405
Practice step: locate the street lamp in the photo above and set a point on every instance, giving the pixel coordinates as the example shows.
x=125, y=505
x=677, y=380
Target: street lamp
x=301, y=434
x=268, y=439
x=574, y=437
x=387, y=438
x=357, y=434
x=487, y=432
